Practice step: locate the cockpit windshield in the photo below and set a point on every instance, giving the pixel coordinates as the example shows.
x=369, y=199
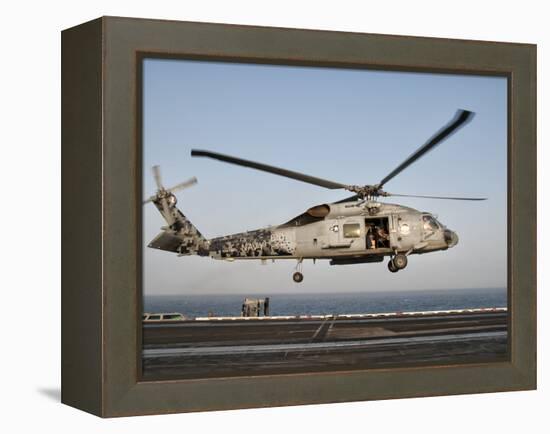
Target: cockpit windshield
x=430, y=224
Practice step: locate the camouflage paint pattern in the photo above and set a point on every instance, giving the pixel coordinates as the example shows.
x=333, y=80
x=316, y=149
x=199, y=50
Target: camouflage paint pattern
x=259, y=243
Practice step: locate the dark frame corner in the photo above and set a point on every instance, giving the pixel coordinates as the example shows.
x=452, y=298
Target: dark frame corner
x=101, y=285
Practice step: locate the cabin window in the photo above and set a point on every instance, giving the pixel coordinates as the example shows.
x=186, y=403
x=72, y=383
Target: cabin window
x=352, y=230
x=154, y=317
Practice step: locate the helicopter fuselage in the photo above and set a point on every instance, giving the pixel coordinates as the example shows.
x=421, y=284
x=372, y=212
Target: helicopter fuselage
x=345, y=233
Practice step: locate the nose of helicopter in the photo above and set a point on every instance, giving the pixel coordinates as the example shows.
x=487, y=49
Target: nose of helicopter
x=451, y=237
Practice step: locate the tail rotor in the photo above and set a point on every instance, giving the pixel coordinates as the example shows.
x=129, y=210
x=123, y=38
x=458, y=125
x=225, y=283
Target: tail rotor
x=165, y=193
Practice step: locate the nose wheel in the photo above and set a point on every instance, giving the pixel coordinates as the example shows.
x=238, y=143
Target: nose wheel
x=298, y=276
x=398, y=262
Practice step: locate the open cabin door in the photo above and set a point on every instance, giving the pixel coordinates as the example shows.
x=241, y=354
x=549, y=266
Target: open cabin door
x=377, y=233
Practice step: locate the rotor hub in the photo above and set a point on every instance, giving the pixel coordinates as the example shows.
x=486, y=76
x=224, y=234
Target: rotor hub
x=367, y=191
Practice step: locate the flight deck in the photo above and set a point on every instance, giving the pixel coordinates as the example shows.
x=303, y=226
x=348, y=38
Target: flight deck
x=242, y=346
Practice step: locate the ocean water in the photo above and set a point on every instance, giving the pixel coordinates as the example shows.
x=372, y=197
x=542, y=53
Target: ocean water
x=335, y=303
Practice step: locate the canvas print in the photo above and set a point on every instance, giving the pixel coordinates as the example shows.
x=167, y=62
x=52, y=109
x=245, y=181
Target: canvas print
x=305, y=219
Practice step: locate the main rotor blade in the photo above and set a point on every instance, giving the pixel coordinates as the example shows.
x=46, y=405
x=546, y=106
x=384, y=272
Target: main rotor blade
x=461, y=118
x=183, y=185
x=437, y=197
x=156, y=175
x=270, y=169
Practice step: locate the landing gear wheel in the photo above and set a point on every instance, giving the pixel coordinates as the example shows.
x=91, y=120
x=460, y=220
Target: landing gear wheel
x=399, y=261
x=391, y=267
x=297, y=277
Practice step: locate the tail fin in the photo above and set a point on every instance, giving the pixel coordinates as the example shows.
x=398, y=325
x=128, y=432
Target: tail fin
x=180, y=236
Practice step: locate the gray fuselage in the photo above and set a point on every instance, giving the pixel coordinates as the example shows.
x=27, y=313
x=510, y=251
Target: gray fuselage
x=339, y=230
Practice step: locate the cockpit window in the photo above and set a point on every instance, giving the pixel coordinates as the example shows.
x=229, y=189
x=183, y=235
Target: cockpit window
x=429, y=223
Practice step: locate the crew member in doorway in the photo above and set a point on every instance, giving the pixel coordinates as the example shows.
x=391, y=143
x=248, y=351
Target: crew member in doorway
x=371, y=242
x=382, y=236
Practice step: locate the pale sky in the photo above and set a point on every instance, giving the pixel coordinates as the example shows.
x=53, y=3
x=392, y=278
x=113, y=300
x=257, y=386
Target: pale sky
x=350, y=126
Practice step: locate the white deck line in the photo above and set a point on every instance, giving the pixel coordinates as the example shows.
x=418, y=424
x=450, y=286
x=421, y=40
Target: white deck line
x=277, y=348
x=354, y=315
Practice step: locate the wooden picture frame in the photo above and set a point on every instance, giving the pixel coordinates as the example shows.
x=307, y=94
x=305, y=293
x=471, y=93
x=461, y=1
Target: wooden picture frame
x=101, y=202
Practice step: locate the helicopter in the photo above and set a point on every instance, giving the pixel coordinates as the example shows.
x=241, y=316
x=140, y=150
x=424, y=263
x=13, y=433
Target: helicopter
x=355, y=230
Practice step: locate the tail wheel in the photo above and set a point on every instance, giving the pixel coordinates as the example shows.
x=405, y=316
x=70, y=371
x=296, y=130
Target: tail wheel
x=400, y=261
x=391, y=267
x=297, y=277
